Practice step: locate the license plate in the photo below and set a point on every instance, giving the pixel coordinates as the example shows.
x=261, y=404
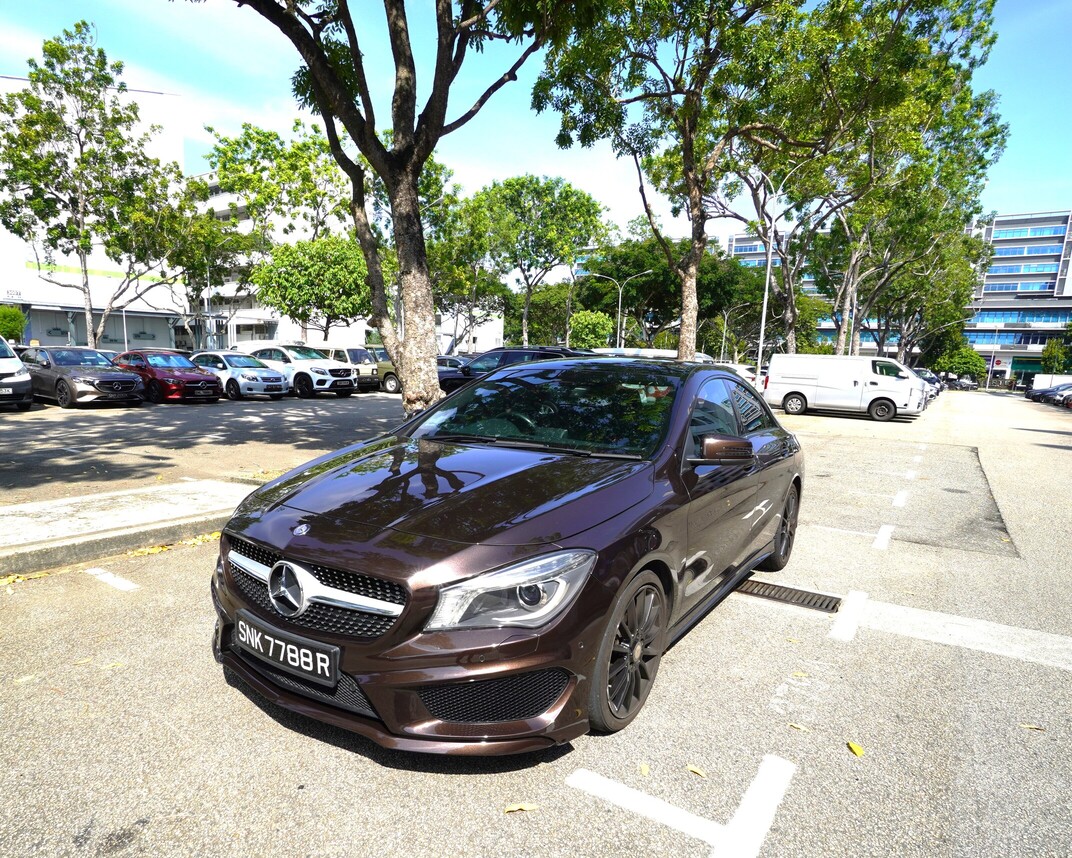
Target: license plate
x=273, y=387
x=308, y=659
x=115, y=396
x=343, y=382
x=202, y=392
x=6, y=391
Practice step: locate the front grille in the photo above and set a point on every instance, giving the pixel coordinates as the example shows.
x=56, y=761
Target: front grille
x=115, y=385
x=272, y=379
x=322, y=618
x=339, y=373
x=340, y=579
x=488, y=701
x=346, y=695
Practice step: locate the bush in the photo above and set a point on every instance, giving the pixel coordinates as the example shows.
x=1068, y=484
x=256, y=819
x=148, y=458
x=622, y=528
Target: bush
x=590, y=329
x=12, y=323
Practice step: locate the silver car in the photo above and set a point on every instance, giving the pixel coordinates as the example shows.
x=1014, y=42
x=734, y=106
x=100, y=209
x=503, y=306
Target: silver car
x=75, y=374
x=242, y=375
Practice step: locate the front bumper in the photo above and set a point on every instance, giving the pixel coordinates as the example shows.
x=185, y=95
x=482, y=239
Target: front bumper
x=261, y=388
x=86, y=392
x=476, y=692
x=14, y=392
x=188, y=393
x=321, y=382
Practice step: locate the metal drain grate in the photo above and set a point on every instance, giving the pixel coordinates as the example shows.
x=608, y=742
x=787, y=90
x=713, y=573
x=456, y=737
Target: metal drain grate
x=791, y=596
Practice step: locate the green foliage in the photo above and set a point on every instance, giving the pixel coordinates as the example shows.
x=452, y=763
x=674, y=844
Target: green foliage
x=12, y=323
x=963, y=360
x=75, y=174
x=547, y=315
x=319, y=283
x=1054, y=355
x=590, y=329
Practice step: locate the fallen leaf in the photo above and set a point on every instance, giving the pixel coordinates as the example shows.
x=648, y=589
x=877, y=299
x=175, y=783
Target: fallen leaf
x=800, y=674
x=514, y=808
x=22, y=679
x=800, y=727
x=113, y=664
x=645, y=769
x=698, y=771
x=856, y=749
x=792, y=640
x=82, y=661
x=160, y=478
x=1033, y=727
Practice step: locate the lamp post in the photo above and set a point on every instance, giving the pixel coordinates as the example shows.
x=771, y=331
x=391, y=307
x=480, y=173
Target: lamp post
x=621, y=287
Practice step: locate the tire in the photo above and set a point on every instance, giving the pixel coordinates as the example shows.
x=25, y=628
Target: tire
x=342, y=394
x=303, y=387
x=64, y=397
x=153, y=393
x=275, y=397
x=233, y=390
x=24, y=406
x=786, y=534
x=882, y=410
x=391, y=384
x=627, y=661
x=794, y=403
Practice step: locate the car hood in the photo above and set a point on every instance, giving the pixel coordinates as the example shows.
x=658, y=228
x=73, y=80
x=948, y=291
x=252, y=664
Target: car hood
x=109, y=373
x=186, y=374
x=463, y=493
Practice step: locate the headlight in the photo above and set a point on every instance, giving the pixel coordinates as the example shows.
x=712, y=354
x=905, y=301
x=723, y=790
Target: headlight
x=83, y=379
x=249, y=377
x=175, y=381
x=319, y=371
x=528, y=594
x=20, y=376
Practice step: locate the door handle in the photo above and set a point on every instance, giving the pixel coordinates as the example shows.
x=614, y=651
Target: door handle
x=875, y=383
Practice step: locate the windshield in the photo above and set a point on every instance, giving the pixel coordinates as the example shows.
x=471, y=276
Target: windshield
x=5, y=350
x=170, y=361
x=305, y=353
x=587, y=409
x=80, y=357
x=359, y=356
x=243, y=361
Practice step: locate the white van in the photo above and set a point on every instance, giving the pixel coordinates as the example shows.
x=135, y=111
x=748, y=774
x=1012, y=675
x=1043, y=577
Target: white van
x=878, y=386
x=15, y=386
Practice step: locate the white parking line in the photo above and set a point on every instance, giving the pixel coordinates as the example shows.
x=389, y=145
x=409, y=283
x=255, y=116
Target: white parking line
x=901, y=498
x=113, y=580
x=742, y=837
x=911, y=475
x=847, y=619
x=882, y=538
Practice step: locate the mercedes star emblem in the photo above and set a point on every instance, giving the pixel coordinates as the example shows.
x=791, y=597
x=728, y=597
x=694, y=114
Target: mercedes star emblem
x=285, y=588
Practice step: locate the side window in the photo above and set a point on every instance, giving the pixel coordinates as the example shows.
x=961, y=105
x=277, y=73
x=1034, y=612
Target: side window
x=136, y=360
x=520, y=357
x=486, y=363
x=712, y=414
x=882, y=367
x=752, y=412
x=29, y=356
x=204, y=360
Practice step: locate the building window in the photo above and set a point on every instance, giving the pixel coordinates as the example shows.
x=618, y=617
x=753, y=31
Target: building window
x=1033, y=232
x=746, y=248
x=1036, y=268
x=1057, y=317
x=1040, y=286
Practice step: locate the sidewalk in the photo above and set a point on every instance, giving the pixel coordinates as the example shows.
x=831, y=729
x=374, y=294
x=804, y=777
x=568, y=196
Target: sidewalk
x=46, y=534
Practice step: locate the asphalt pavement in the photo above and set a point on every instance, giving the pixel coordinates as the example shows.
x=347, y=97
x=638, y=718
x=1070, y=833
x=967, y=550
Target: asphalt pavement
x=947, y=668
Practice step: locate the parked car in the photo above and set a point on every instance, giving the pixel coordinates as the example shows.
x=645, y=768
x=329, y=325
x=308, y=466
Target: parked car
x=962, y=384
x=880, y=387
x=75, y=374
x=242, y=375
x=388, y=374
x=170, y=376
x=930, y=378
x=453, y=361
x=504, y=571
x=307, y=370
x=16, y=387
x=363, y=362
x=452, y=378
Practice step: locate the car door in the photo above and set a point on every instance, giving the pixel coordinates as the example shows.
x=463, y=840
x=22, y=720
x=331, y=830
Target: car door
x=773, y=448
x=31, y=359
x=136, y=363
x=722, y=498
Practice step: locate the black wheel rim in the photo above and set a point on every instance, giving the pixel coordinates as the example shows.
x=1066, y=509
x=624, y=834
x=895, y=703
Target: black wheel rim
x=634, y=656
x=63, y=395
x=304, y=386
x=232, y=390
x=788, y=528
x=153, y=392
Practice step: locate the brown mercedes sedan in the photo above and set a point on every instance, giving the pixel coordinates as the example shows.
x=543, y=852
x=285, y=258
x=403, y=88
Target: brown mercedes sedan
x=504, y=572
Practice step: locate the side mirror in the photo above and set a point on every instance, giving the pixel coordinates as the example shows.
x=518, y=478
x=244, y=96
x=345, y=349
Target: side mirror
x=220, y=366
x=467, y=370
x=723, y=450
x=45, y=364
x=284, y=359
x=902, y=375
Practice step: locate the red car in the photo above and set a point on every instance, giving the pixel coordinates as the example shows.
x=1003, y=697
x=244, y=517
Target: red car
x=169, y=375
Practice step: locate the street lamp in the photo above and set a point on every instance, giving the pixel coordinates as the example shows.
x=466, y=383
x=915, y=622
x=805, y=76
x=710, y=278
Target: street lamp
x=621, y=286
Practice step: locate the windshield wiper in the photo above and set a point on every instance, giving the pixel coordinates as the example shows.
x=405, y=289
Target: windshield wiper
x=458, y=438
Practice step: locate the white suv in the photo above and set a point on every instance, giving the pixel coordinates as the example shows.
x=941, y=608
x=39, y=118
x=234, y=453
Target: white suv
x=307, y=371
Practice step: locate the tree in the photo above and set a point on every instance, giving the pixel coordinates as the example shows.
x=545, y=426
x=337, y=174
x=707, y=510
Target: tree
x=335, y=82
x=963, y=360
x=75, y=175
x=12, y=323
x=319, y=283
x=537, y=225
x=591, y=329
x=1054, y=355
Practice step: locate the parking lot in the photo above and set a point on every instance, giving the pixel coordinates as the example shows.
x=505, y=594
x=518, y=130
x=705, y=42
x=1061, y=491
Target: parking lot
x=947, y=668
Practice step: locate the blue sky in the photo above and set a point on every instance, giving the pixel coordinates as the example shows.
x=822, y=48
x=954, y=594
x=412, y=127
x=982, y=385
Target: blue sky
x=221, y=65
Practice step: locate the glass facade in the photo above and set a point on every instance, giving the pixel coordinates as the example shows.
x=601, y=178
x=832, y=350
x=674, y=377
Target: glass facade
x=1029, y=232
x=746, y=248
x=1037, y=268
x=1038, y=286
x=1028, y=250
x=1058, y=317
x=1009, y=338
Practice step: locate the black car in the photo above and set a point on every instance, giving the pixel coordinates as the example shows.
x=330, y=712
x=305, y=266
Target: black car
x=1046, y=394
x=451, y=378
x=504, y=571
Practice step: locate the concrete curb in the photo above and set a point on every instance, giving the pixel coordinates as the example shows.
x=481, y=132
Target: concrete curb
x=42, y=556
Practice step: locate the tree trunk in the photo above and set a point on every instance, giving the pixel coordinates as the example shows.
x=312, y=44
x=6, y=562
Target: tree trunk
x=87, y=300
